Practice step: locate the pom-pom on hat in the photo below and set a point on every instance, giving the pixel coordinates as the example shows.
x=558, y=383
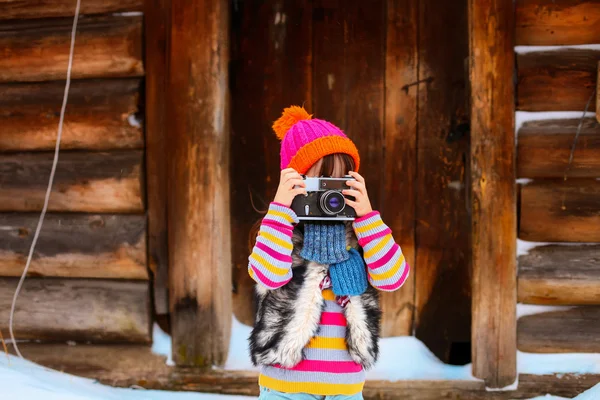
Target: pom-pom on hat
x=305, y=140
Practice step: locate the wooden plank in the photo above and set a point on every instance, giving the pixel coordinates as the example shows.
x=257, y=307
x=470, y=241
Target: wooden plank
x=57, y=309
x=17, y=9
x=544, y=148
x=106, y=46
x=136, y=365
x=75, y=246
x=442, y=227
x=575, y=330
x=557, y=22
x=84, y=182
x=561, y=80
x=268, y=53
x=567, y=275
x=493, y=195
x=198, y=183
x=101, y=115
x=400, y=154
x=560, y=211
x=157, y=19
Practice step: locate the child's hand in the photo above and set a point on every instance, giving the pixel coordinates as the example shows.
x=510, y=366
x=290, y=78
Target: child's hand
x=286, y=192
x=362, y=204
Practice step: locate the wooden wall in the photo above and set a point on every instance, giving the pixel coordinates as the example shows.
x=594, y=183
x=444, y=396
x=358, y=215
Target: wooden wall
x=88, y=280
x=393, y=77
x=559, y=202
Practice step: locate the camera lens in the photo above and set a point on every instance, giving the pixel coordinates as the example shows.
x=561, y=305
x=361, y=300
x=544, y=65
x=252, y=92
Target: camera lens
x=332, y=202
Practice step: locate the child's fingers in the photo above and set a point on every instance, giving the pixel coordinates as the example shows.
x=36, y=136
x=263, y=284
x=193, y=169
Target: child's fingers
x=357, y=186
x=352, y=192
x=295, y=182
x=299, y=191
x=352, y=203
x=357, y=176
x=291, y=175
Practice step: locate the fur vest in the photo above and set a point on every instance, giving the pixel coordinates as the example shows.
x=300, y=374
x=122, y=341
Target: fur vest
x=288, y=317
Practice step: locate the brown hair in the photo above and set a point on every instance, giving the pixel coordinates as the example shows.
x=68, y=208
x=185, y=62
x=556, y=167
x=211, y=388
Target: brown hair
x=327, y=168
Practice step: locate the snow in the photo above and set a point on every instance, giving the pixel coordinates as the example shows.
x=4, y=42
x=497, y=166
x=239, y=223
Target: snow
x=533, y=49
x=530, y=309
x=563, y=363
x=525, y=116
x=161, y=344
x=134, y=121
x=524, y=246
x=549, y=397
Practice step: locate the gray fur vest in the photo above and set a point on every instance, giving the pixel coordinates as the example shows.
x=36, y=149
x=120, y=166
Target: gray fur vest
x=288, y=317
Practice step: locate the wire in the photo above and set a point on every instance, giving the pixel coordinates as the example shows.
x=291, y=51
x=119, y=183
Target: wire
x=50, y=181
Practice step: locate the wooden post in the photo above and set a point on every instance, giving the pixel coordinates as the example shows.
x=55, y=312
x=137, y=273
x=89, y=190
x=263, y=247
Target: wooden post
x=198, y=182
x=491, y=24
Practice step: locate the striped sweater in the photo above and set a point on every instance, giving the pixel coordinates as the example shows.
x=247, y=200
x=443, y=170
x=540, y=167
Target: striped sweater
x=327, y=367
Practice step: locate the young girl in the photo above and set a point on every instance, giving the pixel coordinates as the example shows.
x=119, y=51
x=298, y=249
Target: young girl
x=317, y=323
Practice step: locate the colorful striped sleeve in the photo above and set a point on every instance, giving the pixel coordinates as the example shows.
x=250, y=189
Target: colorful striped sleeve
x=270, y=263
x=387, y=267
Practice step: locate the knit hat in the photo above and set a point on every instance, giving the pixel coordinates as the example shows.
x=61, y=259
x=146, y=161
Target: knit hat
x=304, y=140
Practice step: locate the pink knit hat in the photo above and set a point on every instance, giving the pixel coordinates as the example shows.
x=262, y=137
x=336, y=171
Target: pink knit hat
x=305, y=140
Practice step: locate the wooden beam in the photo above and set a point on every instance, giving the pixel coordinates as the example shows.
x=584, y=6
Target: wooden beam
x=561, y=80
x=101, y=115
x=157, y=20
x=26, y=9
x=106, y=46
x=557, y=22
x=198, y=182
x=400, y=128
x=493, y=191
x=96, y=310
x=136, y=365
x=575, y=330
x=75, y=246
x=560, y=211
x=544, y=148
x=84, y=182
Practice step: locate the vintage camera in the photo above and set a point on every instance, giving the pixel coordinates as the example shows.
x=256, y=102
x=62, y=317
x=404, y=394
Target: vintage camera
x=324, y=200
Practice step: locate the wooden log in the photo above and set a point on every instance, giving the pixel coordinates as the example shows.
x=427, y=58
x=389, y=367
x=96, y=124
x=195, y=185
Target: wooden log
x=598, y=94
x=101, y=115
x=400, y=127
x=56, y=309
x=84, y=182
x=198, y=183
x=557, y=22
x=156, y=39
x=75, y=246
x=106, y=46
x=544, y=148
x=136, y=365
x=442, y=226
x=493, y=192
x=560, y=211
x=561, y=80
x=11, y=9
x=575, y=330
x=264, y=62
x=567, y=275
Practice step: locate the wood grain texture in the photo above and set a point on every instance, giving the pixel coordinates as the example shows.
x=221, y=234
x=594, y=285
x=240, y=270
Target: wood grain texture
x=575, y=330
x=564, y=275
x=75, y=246
x=561, y=80
x=157, y=23
x=84, y=182
x=399, y=179
x=544, y=148
x=56, y=309
x=557, y=22
x=271, y=48
x=198, y=183
x=493, y=195
x=443, y=284
x=101, y=115
x=136, y=365
x=106, y=46
x=21, y=9
x=560, y=211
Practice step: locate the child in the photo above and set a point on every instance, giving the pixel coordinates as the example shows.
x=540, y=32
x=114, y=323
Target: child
x=317, y=323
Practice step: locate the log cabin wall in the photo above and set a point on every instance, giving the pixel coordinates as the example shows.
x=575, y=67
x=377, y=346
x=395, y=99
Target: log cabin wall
x=559, y=203
x=88, y=281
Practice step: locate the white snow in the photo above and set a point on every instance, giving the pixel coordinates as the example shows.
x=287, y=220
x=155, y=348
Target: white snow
x=525, y=116
x=531, y=309
x=161, y=344
x=134, y=121
x=549, y=397
x=524, y=246
x=128, y=14
x=533, y=49
x=512, y=386
x=567, y=363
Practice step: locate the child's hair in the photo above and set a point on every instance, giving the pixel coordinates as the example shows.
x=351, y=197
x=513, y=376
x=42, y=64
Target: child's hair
x=327, y=168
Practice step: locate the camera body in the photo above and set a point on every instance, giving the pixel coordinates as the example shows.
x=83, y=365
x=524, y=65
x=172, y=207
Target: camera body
x=324, y=200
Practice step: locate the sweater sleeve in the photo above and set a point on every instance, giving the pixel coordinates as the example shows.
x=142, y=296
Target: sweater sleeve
x=386, y=265
x=270, y=263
